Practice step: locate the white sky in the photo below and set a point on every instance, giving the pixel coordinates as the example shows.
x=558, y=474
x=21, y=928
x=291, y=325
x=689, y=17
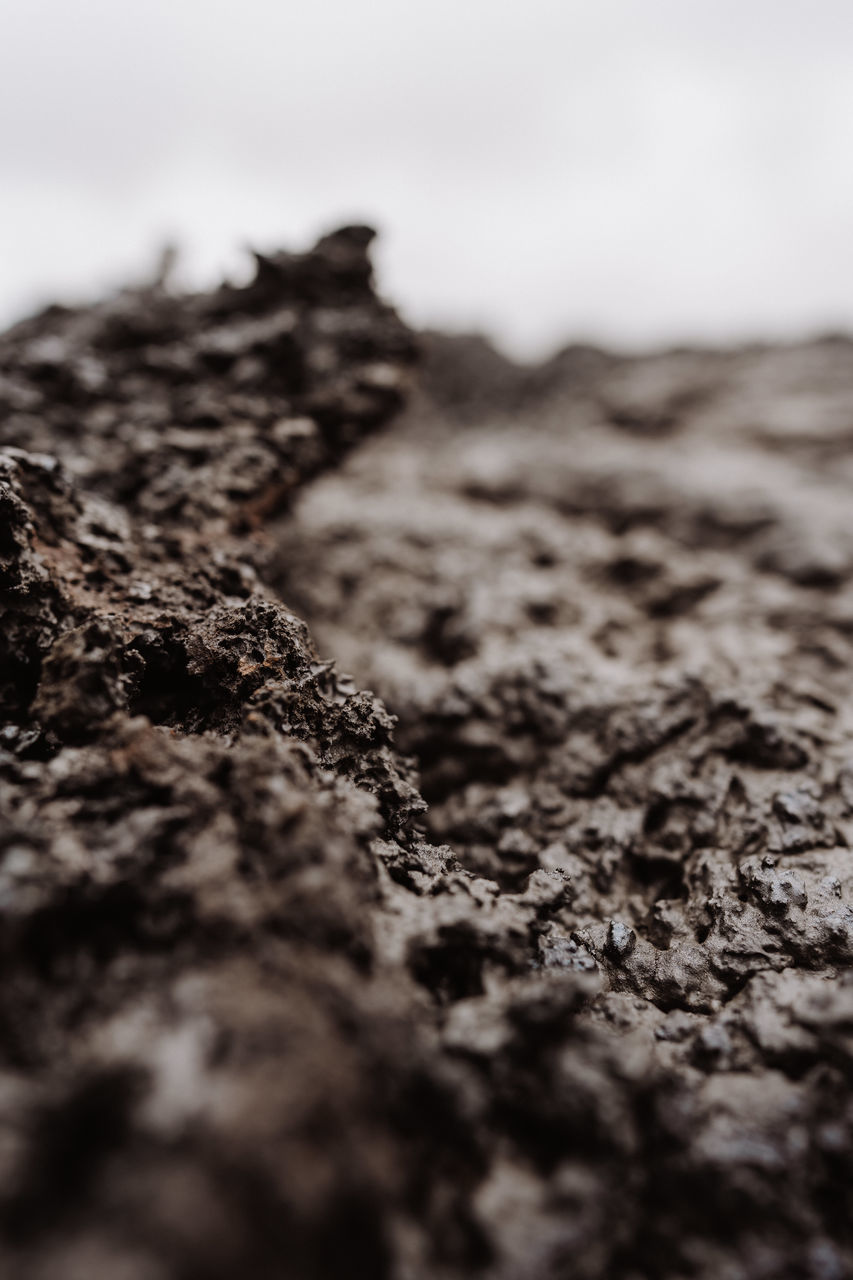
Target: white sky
x=632, y=171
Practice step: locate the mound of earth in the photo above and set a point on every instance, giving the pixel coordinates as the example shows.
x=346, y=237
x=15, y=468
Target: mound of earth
x=538, y=967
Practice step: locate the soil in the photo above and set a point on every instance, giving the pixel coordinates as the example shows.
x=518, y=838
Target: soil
x=534, y=962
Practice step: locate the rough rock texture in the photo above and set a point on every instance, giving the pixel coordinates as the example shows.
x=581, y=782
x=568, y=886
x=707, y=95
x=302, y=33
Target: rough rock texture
x=264, y=1014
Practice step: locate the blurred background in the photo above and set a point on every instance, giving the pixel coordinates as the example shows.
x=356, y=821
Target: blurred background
x=628, y=171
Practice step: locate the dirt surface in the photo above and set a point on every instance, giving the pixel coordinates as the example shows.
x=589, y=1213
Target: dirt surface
x=264, y=1013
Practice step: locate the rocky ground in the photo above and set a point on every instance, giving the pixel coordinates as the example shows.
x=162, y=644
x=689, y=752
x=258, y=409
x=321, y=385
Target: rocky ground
x=583, y=1010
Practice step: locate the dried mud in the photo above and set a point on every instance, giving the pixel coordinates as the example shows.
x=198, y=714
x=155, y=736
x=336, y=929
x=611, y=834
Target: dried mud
x=584, y=1009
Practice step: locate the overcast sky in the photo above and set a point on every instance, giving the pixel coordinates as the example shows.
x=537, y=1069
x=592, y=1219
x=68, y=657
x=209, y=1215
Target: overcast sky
x=634, y=171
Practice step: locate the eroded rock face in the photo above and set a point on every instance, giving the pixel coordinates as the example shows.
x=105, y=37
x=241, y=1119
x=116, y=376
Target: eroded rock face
x=262, y=1013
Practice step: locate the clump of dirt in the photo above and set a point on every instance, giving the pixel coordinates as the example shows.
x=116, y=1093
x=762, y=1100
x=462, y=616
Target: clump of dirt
x=585, y=1008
